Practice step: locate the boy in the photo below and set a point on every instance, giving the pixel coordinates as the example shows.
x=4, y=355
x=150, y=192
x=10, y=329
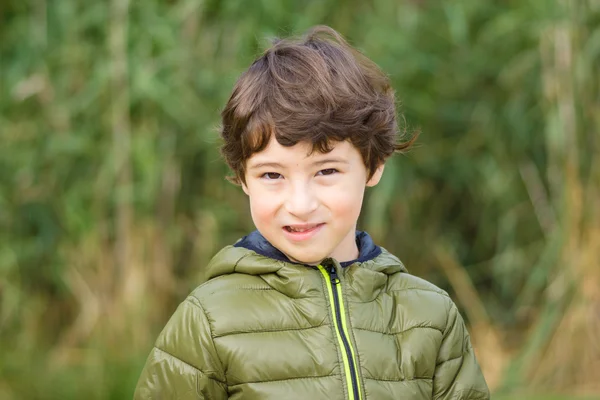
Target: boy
x=306, y=307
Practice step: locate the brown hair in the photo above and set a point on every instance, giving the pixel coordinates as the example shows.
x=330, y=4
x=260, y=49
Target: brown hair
x=316, y=89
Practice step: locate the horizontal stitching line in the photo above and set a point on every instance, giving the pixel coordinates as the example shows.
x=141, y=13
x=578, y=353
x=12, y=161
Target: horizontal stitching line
x=399, y=332
x=270, y=331
x=402, y=290
x=472, y=390
x=186, y=363
x=419, y=289
x=450, y=359
x=265, y=289
x=282, y=380
x=398, y=380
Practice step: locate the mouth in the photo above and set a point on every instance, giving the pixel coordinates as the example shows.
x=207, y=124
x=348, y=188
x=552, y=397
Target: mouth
x=301, y=228
x=302, y=231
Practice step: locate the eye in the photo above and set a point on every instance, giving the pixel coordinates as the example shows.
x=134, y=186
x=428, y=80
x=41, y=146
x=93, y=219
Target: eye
x=328, y=171
x=270, y=176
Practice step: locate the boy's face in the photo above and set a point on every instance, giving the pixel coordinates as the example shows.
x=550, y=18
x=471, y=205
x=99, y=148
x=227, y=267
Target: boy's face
x=307, y=205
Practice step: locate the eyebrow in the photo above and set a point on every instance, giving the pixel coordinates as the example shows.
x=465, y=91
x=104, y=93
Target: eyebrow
x=330, y=161
x=280, y=166
x=265, y=164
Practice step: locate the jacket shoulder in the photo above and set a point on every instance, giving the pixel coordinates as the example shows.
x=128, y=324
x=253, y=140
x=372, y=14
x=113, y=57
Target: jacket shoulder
x=422, y=303
x=401, y=281
x=225, y=284
x=398, y=277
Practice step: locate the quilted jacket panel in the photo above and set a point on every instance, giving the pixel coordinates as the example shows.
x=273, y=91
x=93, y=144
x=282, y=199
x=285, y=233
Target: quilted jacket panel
x=261, y=328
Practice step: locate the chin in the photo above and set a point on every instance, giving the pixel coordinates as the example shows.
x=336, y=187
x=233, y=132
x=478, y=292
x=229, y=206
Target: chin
x=306, y=253
x=311, y=259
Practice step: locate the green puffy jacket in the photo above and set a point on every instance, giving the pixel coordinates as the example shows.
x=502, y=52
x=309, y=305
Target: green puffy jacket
x=263, y=328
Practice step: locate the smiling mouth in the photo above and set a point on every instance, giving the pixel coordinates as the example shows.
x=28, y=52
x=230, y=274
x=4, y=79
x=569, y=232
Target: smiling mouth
x=301, y=228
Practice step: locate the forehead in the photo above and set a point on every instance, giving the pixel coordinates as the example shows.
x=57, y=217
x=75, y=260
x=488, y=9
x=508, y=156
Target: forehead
x=301, y=153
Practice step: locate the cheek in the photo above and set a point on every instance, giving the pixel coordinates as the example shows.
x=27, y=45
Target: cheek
x=346, y=208
x=263, y=208
x=346, y=203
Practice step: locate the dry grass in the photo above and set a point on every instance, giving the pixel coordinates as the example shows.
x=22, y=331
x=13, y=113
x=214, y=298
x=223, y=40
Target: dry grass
x=112, y=195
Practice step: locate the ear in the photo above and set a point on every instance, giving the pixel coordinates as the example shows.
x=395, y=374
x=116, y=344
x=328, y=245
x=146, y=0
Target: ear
x=245, y=188
x=374, y=180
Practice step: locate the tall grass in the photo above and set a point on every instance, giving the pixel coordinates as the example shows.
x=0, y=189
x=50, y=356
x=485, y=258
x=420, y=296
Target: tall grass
x=112, y=196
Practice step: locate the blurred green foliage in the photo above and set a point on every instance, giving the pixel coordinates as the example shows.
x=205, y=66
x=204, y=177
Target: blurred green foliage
x=113, y=197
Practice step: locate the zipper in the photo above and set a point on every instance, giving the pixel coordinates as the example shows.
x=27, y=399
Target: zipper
x=339, y=320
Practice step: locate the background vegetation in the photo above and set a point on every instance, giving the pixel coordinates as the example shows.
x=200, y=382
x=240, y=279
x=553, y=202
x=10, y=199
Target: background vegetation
x=113, y=197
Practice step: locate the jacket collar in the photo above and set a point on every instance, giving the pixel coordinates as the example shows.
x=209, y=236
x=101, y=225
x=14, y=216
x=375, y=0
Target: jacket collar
x=261, y=258
x=256, y=242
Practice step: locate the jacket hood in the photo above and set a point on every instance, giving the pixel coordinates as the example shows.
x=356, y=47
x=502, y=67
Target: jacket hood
x=254, y=255
x=259, y=244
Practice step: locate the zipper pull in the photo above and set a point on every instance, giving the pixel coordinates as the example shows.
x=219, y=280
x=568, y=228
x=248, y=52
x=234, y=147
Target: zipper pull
x=333, y=275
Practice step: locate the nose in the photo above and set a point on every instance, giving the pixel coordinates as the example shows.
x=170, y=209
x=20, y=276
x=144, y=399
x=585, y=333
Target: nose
x=301, y=201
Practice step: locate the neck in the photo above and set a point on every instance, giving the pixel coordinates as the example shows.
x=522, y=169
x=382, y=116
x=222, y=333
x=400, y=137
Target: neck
x=347, y=250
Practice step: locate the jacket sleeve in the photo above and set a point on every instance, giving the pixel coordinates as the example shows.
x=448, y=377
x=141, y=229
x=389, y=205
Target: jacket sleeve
x=457, y=374
x=183, y=363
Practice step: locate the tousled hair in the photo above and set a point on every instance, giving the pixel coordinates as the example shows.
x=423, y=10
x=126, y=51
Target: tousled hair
x=315, y=89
